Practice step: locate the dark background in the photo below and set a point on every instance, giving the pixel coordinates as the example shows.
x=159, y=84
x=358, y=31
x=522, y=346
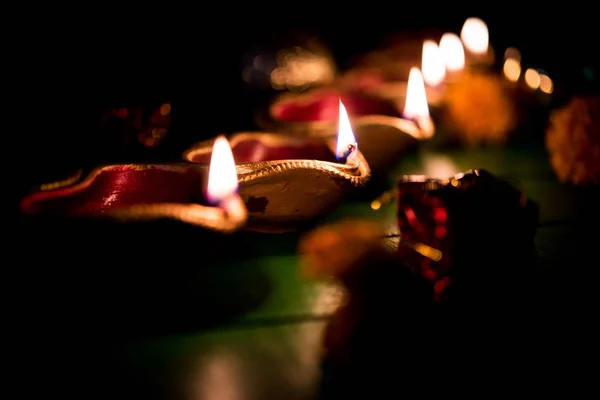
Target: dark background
x=72, y=65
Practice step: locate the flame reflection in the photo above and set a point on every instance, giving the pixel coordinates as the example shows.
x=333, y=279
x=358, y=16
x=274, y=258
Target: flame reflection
x=222, y=174
x=438, y=166
x=220, y=378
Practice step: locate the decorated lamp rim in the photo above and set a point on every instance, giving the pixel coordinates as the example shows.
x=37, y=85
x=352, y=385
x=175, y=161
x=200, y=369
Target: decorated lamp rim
x=357, y=173
x=210, y=217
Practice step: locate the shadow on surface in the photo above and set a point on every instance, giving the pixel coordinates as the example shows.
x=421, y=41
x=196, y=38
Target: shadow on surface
x=375, y=187
x=510, y=310
x=135, y=279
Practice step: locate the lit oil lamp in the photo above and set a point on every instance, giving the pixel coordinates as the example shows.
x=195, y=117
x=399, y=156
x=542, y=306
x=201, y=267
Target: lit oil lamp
x=484, y=106
x=143, y=192
x=316, y=111
x=452, y=54
x=443, y=58
x=441, y=63
x=434, y=75
x=391, y=63
x=432, y=65
x=383, y=133
x=529, y=82
x=287, y=181
x=476, y=40
x=416, y=108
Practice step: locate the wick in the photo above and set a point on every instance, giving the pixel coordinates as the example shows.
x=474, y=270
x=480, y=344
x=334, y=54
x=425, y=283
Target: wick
x=221, y=203
x=344, y=155
x=423, y=124
x=227, y=205
x=414, y=120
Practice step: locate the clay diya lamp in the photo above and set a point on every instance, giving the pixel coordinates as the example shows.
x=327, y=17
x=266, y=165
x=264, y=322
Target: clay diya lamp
x=287, y=181
x=475, y=37
x=441, y=57
x=146, y=192
x=383, y=129
x=399, y=53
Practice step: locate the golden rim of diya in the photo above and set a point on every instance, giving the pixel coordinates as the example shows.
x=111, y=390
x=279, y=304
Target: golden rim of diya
x=357, y=173
x=69, y=180
x=231, y=216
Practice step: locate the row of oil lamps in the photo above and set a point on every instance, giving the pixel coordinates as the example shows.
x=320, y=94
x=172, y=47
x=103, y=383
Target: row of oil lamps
x=452, y=79
x=268, y=181
x=260, y=181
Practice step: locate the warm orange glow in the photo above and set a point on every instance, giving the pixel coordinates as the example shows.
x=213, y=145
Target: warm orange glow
x=453, y=54
x=513, y=53
x=546, y=84
x=345, y=135
x=416, y=98
x=532, y=78
x=512, y=69
x=165, y=109
x=222, y=174
x=432, y=64
x=475, y=36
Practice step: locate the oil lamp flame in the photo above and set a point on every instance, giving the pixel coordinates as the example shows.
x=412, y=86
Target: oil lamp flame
x=453, y=53
x=512, y=69
x=416, y=107
x=475, y=36
x=346, y=142
x=432, y=64
x=532, y=78
x=416, y=98
x=222, y=174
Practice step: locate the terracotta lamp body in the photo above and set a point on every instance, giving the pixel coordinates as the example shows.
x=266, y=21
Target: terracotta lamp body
x=287, y=181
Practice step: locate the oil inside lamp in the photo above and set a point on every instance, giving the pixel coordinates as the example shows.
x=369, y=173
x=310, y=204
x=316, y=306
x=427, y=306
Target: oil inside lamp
x=416, y=108
x=346, y=141
x=222, y=187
